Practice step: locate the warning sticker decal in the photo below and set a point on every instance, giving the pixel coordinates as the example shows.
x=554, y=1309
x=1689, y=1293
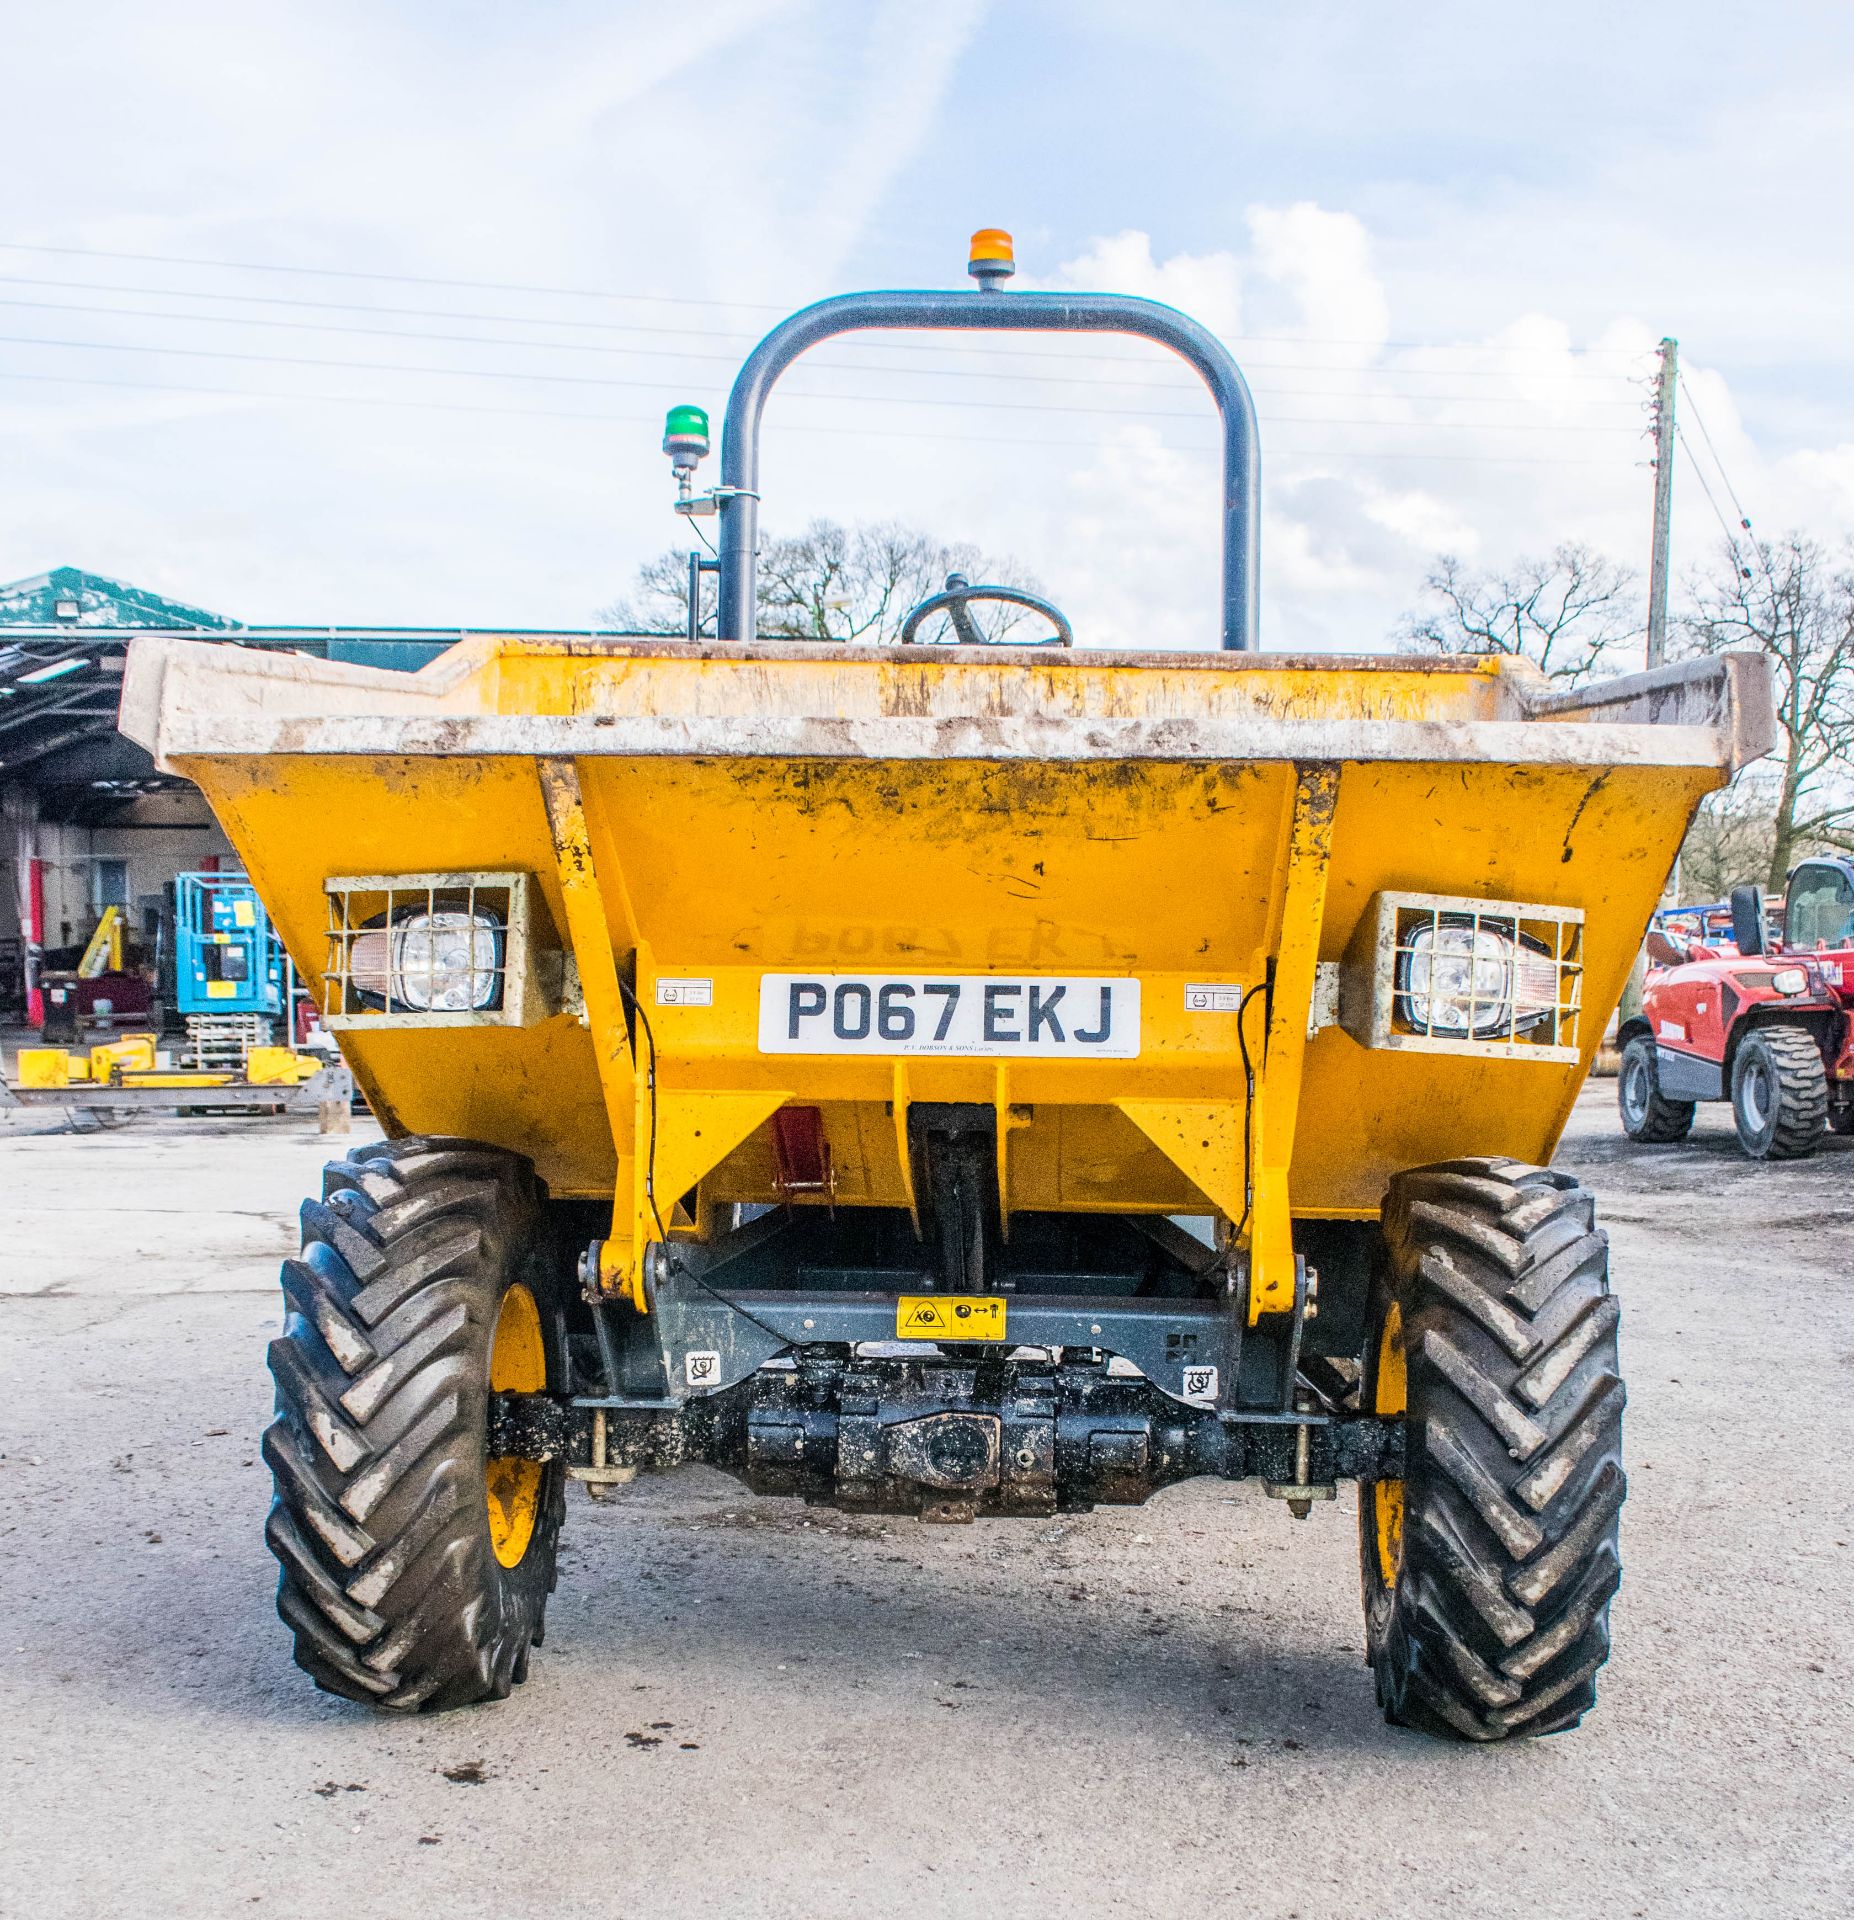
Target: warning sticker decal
x=1213, y=996
x=1199, y=1385
x=949, y=1316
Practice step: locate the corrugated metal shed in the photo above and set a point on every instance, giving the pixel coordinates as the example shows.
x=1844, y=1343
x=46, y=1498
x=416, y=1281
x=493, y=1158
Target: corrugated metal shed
x=63, y=638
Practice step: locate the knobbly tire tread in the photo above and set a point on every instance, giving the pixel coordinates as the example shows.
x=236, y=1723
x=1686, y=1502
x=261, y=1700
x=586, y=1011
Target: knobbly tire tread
x=389, y=1580
x=1801, y=1092
x=1498, y=1620
x=1665, y=1121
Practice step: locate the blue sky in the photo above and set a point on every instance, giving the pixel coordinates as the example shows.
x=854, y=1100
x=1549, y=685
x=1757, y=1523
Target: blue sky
x=1444, y=247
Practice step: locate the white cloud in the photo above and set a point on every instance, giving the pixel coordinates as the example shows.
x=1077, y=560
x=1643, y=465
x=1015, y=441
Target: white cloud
x=1376, y=455
x=1322, y=260
x=1206, y=286
x=756, y=153
x=1438, y=526
x=1813, y=486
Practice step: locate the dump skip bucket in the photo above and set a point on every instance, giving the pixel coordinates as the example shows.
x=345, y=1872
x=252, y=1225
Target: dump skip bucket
x=851, y=880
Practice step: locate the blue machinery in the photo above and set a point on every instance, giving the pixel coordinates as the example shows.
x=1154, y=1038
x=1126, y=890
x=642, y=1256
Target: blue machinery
x=227, y=956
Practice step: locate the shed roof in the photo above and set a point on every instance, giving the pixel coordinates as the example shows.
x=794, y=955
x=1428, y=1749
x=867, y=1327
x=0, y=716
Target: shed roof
x=64, y=638
x=68, y=597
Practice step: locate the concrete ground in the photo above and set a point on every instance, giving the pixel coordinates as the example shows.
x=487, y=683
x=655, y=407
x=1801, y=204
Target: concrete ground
x=744, y=1708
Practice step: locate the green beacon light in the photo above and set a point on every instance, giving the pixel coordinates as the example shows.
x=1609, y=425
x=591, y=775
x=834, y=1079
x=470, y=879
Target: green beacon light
x=685, y=440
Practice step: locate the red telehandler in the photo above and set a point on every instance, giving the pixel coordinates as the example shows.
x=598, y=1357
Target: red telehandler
x=1768, y=1028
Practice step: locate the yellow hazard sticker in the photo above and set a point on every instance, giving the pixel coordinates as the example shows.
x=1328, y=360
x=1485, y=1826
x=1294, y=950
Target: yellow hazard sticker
x=949, y=1316
x=221, y=989
x=243, y=914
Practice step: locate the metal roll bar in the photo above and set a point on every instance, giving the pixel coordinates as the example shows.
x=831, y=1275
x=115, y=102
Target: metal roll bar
x=737, y=497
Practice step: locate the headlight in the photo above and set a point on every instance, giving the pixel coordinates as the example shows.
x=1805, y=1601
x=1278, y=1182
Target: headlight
x=1457, y=980
x=431, y=961
x=1789, y=980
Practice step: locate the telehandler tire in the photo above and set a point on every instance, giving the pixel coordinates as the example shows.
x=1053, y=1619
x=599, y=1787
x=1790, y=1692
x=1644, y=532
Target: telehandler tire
x=1779, y=1093
x=1488, y=1569
x=415, y=1570
x=1646, y=1117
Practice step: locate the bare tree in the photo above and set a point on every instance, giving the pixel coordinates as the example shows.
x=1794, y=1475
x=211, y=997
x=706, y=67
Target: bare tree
x=1565, y=613
x=833, y=583
x=1788, y=601
x=1729, y=843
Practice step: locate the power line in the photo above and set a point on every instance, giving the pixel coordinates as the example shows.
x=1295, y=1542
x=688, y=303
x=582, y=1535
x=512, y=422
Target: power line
x=814, y=364
x=1055, y=347
x=1699, y=420
x=990, y=348
x=677, y=386
x=651, y=299
x=579, y=414
x=373, y=306
x=1759, y=553
x=1699, y=473
x=398, y=279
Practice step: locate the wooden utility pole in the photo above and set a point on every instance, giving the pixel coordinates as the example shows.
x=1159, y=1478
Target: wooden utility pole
x=1663, y=499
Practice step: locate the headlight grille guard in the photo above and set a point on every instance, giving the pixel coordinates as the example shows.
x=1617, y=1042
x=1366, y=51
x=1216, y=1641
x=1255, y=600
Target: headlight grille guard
x=368, y=915
x=1539, y=1021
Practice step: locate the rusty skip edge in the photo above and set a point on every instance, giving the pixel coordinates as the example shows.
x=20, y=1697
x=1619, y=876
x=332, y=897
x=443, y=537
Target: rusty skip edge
x=1716, y=712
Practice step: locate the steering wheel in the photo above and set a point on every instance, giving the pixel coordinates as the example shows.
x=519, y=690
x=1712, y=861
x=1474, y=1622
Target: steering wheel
x=956, y=603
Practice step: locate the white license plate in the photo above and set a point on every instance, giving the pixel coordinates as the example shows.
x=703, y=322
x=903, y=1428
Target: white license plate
x=1029, y=1017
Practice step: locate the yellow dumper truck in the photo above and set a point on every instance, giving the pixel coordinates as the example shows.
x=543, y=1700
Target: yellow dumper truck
x=953, y=1079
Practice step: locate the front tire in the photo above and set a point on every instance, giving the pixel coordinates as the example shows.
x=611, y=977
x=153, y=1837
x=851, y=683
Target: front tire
x=1779, y=1093
x=415, y=1570
x=1489, y=1567
x=1646, y=1117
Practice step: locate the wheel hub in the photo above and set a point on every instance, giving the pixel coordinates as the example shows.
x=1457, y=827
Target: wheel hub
x=1757, y=1098
x=517, y=1364
x=1634, y=1094
x=1389, y=1397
